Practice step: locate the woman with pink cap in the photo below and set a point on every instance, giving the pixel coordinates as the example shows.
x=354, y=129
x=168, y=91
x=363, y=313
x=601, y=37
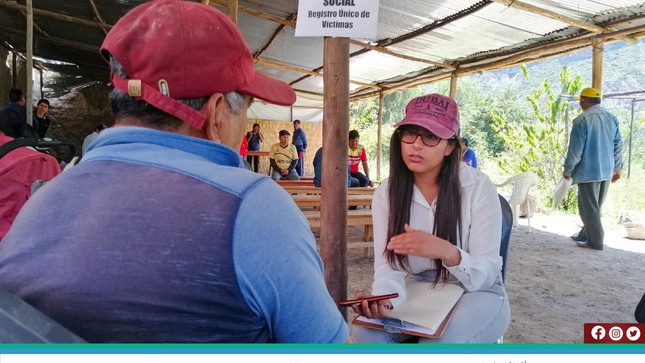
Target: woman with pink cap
x=437, y=220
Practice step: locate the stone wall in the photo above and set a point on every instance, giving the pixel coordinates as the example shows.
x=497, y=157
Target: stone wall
x=75, y=115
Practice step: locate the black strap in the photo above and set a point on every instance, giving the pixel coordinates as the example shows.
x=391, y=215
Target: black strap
x=14, y=144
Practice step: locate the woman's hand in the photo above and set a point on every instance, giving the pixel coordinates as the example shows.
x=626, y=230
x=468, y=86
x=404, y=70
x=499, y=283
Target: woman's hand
x=418, y=243
x=372, y=310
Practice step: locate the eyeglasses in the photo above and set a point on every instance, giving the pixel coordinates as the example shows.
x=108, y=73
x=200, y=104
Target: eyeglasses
x=409, y=136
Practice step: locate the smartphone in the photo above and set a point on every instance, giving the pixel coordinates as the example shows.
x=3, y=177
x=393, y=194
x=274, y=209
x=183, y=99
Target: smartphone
x=369, y=299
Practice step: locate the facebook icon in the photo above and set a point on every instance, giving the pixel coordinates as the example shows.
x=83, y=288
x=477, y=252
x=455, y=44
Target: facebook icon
x=598, y=332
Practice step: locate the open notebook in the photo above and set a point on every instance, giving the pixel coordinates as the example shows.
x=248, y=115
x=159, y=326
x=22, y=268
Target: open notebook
x=425, y=312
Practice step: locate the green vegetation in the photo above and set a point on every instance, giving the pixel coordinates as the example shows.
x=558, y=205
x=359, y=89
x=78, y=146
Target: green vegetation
x=519, y=119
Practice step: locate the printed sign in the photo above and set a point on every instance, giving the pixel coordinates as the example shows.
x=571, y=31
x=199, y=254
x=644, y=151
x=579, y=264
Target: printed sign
x=337, y=18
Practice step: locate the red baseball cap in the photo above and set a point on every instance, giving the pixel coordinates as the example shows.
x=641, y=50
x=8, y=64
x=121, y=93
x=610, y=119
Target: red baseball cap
x=174, y=49
x=434, y=112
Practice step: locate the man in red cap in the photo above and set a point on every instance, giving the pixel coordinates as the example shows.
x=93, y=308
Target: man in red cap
x=156, y=236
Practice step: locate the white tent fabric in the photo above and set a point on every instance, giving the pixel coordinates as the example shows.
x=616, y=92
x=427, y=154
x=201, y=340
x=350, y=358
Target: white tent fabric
x=306, y=109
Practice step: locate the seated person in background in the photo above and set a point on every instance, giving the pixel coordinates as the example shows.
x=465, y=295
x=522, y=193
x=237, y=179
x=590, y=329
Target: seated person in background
x=469, y=157
x=91, y=137
x=357, y=155
x=156, y=235
x=283, y=157
x=446, y=230
x=40, y=115
x=351, y=182
x=19, y=169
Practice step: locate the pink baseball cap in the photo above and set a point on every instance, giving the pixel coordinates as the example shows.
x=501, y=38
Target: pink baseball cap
x=174, y=49
x=434, y=112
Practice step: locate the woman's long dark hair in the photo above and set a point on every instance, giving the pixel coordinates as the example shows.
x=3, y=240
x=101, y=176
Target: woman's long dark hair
x=447, y=221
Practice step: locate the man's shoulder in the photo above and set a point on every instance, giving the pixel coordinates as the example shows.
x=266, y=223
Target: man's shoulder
x=9, y=113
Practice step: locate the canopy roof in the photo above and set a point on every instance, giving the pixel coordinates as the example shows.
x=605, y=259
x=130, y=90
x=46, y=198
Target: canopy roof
x=418, y=41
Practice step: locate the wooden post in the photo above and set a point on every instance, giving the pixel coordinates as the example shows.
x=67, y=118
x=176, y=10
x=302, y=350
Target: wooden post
x=379, y=136
x=42, y=83
x=30, y=63
x=233, y=6
x=14, y=69
x=631, y=136
x=453, y=85
x=333, y=210
x=596, y=67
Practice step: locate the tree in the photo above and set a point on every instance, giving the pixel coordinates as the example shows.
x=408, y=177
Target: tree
x=540, y=143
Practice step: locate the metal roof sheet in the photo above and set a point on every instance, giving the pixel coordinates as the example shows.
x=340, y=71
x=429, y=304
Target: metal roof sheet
x=463, y=34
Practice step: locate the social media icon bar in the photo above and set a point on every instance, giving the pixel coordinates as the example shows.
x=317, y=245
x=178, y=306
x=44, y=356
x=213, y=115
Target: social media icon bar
x=606, y=333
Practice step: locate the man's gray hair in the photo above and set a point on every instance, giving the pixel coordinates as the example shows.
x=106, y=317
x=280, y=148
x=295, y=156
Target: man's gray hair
x=125, y=106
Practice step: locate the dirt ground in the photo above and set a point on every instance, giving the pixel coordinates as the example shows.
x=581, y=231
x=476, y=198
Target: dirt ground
x=554, y=286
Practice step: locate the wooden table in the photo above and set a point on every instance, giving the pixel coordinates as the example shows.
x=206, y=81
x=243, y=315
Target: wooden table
x=309, y=200
x=264, y=166
x=257, y=153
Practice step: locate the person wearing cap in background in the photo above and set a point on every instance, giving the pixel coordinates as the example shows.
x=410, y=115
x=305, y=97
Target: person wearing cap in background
x=594, y=160
x=469, y=157
x=156, y=235
x=436, y=219
x=283, y=158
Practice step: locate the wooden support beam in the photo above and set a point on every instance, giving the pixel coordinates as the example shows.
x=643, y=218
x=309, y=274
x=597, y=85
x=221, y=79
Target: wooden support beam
x=379, y=136
x=233, y=9
x=14, y=69
x=552, y=15
x=259, y=14
x=59, y=41
x=51, y=14
x=29, y=99
x=453, y=85
x=596, y=63
x=333, y=212
x=274, y=36
x=97, y=14
x=559, y=17
x=36, y=26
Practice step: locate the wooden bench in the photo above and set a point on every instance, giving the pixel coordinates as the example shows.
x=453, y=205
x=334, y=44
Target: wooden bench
x=314, y=200
x=307, y=189
x=361, y=217
x=305, y=182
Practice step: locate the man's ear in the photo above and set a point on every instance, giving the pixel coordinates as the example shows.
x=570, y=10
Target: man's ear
x=217, y=114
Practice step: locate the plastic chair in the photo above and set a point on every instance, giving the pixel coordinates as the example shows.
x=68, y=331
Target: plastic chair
x=522, y=183
x=507, y=228
x=22, y=323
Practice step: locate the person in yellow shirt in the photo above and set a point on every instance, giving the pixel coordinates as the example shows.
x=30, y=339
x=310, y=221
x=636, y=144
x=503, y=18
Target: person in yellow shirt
x=283, y=157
